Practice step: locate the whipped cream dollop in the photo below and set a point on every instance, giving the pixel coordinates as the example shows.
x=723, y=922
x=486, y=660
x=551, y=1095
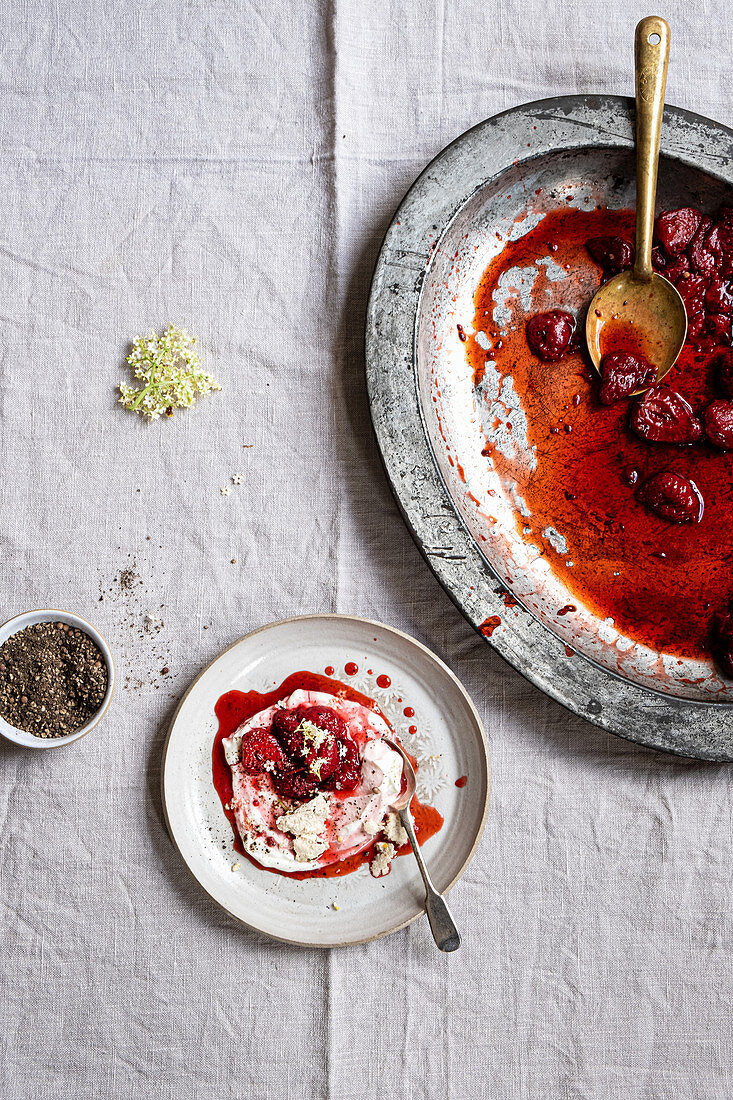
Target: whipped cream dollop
x=293, y=836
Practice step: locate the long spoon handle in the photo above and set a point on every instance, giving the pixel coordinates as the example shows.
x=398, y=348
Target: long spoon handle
x=652, y=58
x=442, y=926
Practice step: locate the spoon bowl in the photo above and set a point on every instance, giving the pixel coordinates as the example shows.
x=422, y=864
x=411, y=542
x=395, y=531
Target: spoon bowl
x=645, y=317
x=405, y=796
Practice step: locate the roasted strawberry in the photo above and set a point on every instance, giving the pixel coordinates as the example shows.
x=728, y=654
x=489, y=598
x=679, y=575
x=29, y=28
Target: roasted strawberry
x=614, y=254
x=348, y=776
x=672, y=269
x=284, y=723
x=696, y=325
x=724, y=372
x=622, y=373
x=261, y=752
x=719, y=296
x=692, y=291
x=677, y=269
x=549, y=334
x=299, y=785
x=725, y=243
x=659, y=260
x=703, y=259
x=718, y=326
x=676, y=228
x=324, y=759
x=325, y=718
x=663, y=416
x=718, y=421
x=672, y=497
x=314, y=742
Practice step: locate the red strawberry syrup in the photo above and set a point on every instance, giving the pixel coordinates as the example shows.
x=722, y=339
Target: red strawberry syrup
x=660, y=583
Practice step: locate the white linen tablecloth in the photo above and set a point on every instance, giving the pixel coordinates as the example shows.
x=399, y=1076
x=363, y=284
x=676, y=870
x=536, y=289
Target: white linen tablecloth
x=232, y=167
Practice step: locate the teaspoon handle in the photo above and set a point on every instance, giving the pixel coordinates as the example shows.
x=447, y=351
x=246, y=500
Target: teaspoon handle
x=442, y=926
x=651, y=60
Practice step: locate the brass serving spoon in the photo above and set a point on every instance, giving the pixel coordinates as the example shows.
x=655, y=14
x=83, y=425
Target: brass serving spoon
x=641, y=309
x=444, y=930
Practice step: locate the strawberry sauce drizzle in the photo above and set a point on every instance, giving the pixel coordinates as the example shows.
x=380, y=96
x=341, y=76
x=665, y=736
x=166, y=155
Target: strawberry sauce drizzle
x=235, y=707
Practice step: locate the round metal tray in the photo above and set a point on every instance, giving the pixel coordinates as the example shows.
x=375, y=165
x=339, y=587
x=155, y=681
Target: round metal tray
x=574, y=149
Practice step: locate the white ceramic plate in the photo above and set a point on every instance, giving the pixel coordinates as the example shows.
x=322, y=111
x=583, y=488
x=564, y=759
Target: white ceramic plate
x=450, y=742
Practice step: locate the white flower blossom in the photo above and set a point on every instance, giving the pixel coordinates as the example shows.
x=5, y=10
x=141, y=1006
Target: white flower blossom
x=169, y=368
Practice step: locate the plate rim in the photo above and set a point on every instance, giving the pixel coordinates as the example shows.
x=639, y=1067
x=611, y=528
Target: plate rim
x=432, y=657
x=679, y=726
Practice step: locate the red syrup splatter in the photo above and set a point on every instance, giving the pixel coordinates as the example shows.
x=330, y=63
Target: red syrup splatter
x=462, y=781
x=235, y=707
x=350, y=668
x=488, y=626
x=383, y=681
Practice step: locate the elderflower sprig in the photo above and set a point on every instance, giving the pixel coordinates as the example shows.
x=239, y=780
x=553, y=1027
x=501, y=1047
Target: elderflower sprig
x=170, y=369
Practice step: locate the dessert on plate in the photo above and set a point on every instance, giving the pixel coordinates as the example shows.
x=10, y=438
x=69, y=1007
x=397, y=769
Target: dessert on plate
x=311, y=779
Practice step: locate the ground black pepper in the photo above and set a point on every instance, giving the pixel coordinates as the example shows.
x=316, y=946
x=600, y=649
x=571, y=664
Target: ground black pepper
x=128, y=579
x=53, y=679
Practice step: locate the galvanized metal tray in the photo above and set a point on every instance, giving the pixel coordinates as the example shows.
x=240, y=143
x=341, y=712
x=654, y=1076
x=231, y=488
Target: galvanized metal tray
x=574, y=149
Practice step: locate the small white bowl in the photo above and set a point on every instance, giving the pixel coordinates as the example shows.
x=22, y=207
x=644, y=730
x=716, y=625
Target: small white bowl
x=29, y=618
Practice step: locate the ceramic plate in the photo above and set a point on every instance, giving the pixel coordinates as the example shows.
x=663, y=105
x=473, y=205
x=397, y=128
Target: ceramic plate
x=449, y=742
x=432, y=421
